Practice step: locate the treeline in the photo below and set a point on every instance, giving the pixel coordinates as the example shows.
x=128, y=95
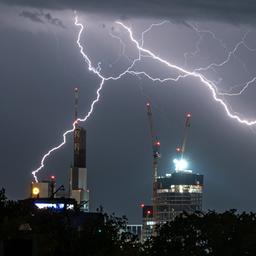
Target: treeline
x=25, y=230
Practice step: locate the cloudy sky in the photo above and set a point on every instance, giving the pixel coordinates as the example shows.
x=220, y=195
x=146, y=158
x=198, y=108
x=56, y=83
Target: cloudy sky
x=41, y=65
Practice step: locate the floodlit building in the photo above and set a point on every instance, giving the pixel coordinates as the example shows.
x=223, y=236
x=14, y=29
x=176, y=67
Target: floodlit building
x=177, y=192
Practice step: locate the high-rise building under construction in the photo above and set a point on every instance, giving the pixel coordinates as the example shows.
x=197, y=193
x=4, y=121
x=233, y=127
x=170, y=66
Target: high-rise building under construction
x=177, y=192
x=181, y=190
x=78, y=173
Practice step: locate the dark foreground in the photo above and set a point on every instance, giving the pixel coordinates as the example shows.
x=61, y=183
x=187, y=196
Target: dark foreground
x=25, y=230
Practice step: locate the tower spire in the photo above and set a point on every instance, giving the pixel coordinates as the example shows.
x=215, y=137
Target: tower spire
x=76, y=103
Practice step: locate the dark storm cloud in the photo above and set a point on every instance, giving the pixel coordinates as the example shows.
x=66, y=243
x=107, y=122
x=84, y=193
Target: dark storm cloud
x=238, y=11
x=42, y=17
x=54, y=21
x=33, y=16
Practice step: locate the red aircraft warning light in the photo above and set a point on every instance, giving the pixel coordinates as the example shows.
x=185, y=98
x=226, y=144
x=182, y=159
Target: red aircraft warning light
x=178, y=149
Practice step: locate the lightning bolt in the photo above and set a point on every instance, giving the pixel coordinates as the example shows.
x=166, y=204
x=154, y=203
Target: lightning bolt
x=199, y=41
x=241, y=91
x=150, y=28
x=102, y=78
x=186, y=73
x=230, y=54
x=146, y=53
x=123, y=46
x=68, y=132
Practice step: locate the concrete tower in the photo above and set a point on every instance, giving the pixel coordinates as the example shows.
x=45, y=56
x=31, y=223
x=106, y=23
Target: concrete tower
x=78, y=172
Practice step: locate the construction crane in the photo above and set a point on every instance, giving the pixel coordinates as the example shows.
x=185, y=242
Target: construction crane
x=184, y=143
x=179, y=162
x=156, y=155
x=155, y=142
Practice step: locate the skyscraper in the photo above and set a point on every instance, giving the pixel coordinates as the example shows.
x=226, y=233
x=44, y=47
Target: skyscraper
x=177, y=192
x=78, y=172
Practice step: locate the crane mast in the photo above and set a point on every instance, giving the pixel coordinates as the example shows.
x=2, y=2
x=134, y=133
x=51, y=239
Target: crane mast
x=155, y=156
x=187, y=125
x=154, y=141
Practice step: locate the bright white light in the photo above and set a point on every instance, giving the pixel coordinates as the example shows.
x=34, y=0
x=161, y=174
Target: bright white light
x=150, y=223
x=180, y=164
x=70, y=206
x=49, y=205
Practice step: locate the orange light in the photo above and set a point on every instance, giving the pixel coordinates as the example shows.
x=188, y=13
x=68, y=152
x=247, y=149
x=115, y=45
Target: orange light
x=35, y=191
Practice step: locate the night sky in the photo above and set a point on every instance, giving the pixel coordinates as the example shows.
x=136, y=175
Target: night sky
x=41, y=64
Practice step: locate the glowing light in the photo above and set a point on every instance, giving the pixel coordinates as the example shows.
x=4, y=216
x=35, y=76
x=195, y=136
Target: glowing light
x=142, y=205
x=150, y=223
x=35, y=191
x=50, y=205
x=180, y=164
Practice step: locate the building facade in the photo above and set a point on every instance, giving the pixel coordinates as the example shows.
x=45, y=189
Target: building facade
x=43, y=189
x=78, y=173
x=177, y=192
x=135, y=229
x=147, y=222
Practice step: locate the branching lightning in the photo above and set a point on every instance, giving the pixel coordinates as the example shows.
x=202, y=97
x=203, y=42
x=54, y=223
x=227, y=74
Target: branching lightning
x=149, y=29
x=204, y=81
x=123, y=46
x=103, y=79
x=69, y=131
x=146, y=53
x=230, y=54
x=200, y=34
